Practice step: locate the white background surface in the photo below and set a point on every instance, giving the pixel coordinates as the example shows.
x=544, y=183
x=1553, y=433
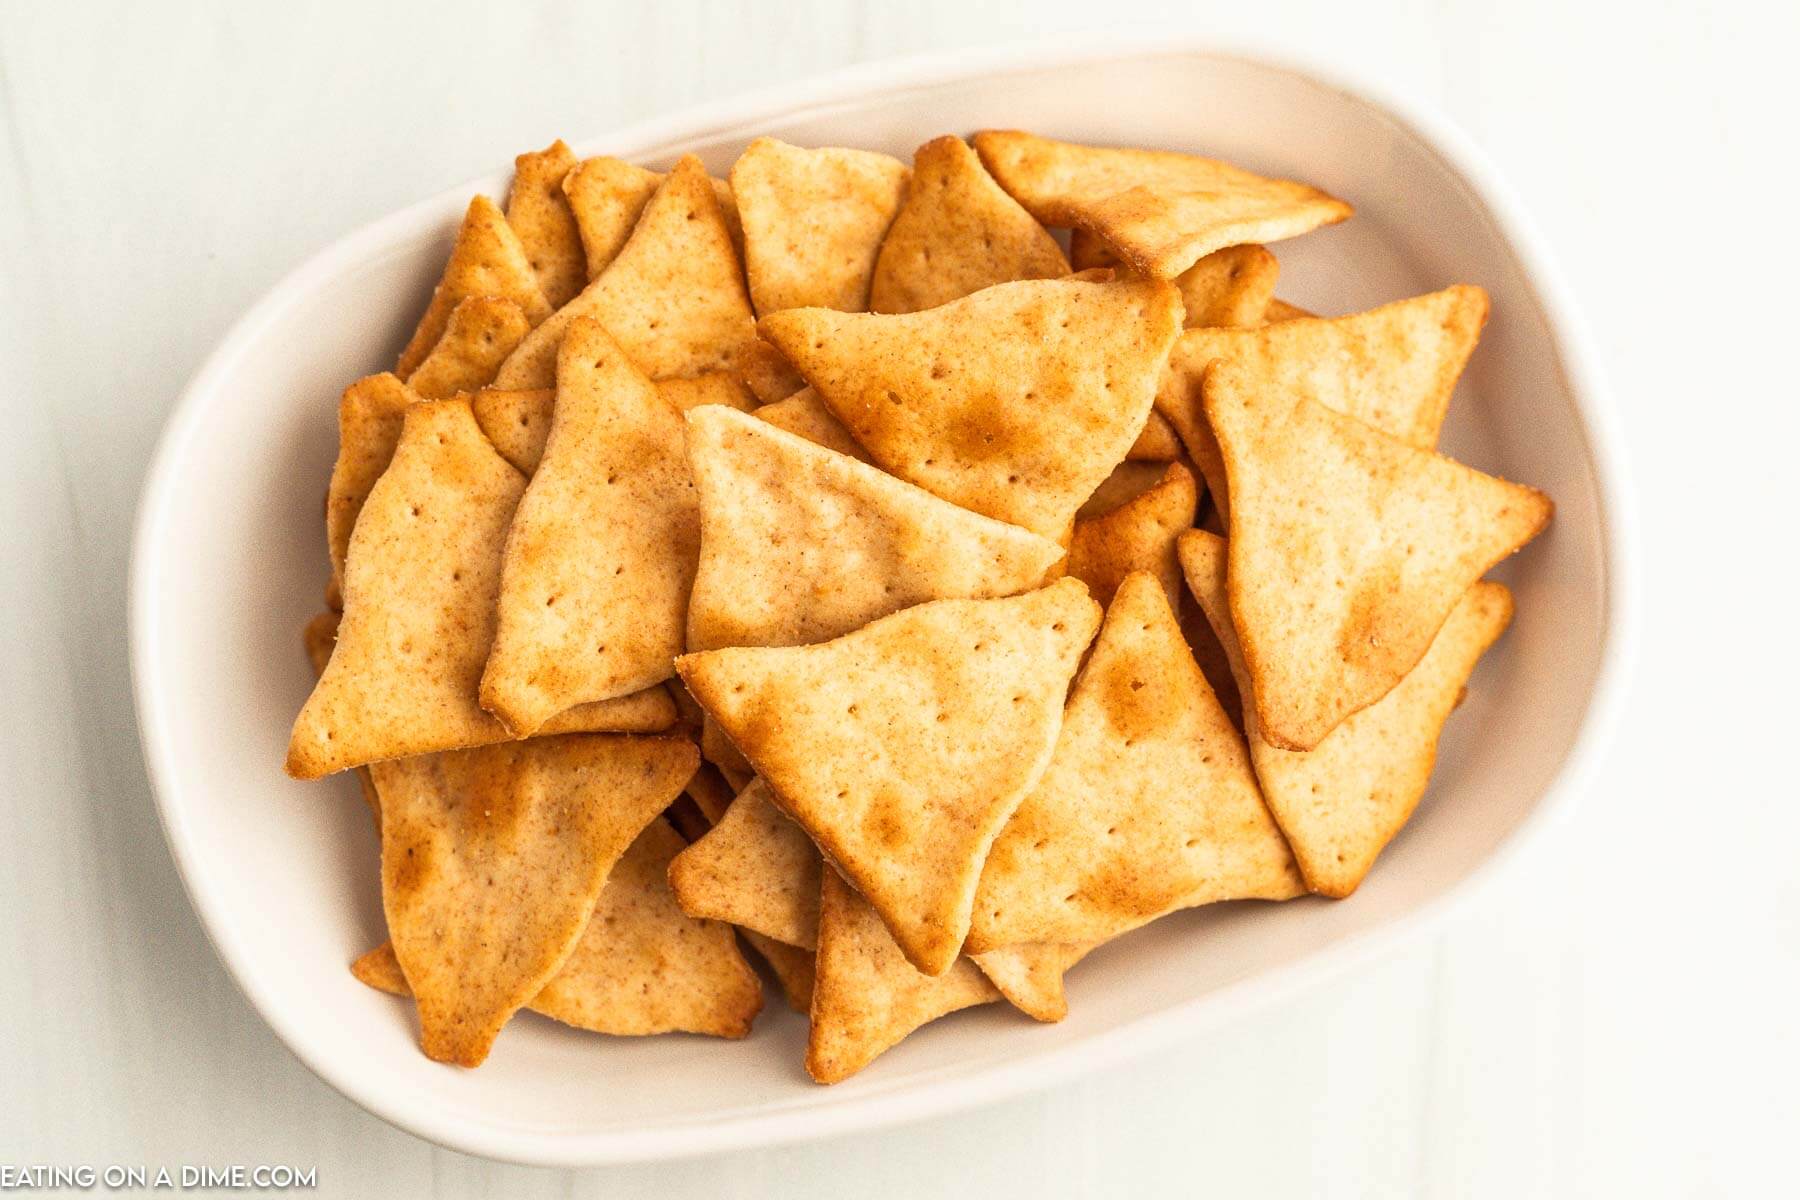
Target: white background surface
x=1614, y=1015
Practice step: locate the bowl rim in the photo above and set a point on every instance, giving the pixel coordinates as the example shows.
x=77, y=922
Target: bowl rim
x=1597, y=415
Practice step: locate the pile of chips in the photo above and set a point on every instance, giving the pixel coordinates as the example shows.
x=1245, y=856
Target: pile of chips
x=836, y=558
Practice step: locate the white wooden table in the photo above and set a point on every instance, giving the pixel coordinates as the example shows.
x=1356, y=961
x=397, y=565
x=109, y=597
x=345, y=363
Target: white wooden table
x=1615, y=1015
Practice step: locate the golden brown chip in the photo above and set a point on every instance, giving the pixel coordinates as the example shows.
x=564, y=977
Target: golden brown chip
x=800, y=544
x=1159, y=211
x=600, y=556
x=1031, y=977
x=1156, y=442
x=487, y=260
x=491, y=863
x=867, y=997
x=1342, y=802
x=1128, y=481
x=708, y=789
x=1138, y=535
x=804, y=415
x=1233, y=286
x=1149, y=804
x=1349, y=548
x=717, y=387
x=756, y=869
x=420, y=582
x=792, y=967
x=539, y=213
x=673, y=297
x=320, y=637
x=517, y=422
x=903, y=747
x=813, y=222
x=1014, y=402
x=369, y=418
x=607, y=195
x=957, y=233
x=482, y=331
x=1281, y=310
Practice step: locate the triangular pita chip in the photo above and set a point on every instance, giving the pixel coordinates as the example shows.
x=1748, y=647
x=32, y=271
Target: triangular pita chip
x=673, y=297
x=768, y=373
x=1159, y=211
x=1014, y=402
x=487, y=260
x=756, y=870
x=1281, y=310
x=607, y=195
x=1156, y=442
x=903, y=747
x=600, y=556
x=708, y=789
x=482, y=331
x=1229, y=287
x=420, y=583
x=1343, y=801
x=792, y=967
x=517, y=422
x=1149, y=804
x=320, y=637
x=1138, y=535
x=539, y=213
x=867, y=997
x=369, y=418
x=957, y=233
x=800, y=544
x=804, y=415
x=1128, y=481
x=813, y=222
x=1031, y=977
x=491, y=863
x=715, y=387
x=1348, y=550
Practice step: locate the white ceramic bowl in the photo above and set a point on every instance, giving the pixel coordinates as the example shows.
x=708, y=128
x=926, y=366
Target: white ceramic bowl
x=229, y=561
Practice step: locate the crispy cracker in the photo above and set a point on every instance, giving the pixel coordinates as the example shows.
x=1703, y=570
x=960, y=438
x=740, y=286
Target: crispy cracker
x=1031, y=977
x=517, y=422
x=800, y=544
x=487, y=260
x=709, y=791
x=420, y=582
x=1229, y=287
x=1281, y=310
x=1014, y=402
x=813, y=222
x=957, y=232
x=804, y=415
x=903, y=747
x=1128, y=481
x=1348, y=550
x=1343, y=801
x=491, y=863
x=1159, y=211
x=369, y=418
x=600, y=556
x=607, y=195
x=792, y=967
x=539, y=213
x=1148, y=805
x=1138, y=535
x=715, y=387
x=756, y=870
x=320, y=637
x=482, y=331
x=1156, y=442
x=673, y=297
x=867, y=997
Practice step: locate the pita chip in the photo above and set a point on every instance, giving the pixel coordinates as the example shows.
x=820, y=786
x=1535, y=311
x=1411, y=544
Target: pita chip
x=1138, y=535
x=902, y=748
x=709, y=792
x=1348, y=550
x=539, y=212
x=1015, y=402
x=715, y=387
x=804, y=415
x=756, y=869
x=813, y=222
x=517, y=422
x=600, y=556
x=492, y=860
x=957, y=233
x=1031, y=977
x=792, y=967
x=1128, y=481
x=607, y=195
x=1281, y=310
x=482, y=331
x=1156, y=442
x=320, y=637
x=1149, y=804
x=673, y=297
x=867, y=997
x=801, y=544
x=369, y=418
x=487, y=260
x=420, y=582
x=1233, y=286
x=1159, y=211
x=1342, y=802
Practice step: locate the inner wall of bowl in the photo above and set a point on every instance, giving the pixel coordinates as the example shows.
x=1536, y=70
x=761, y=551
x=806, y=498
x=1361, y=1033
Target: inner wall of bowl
x=285, y=873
